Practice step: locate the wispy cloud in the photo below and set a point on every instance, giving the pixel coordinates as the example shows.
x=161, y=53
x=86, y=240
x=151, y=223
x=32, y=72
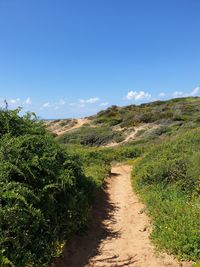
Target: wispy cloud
x=14, y=101
x=91, y=100
x=82, y=103
x=28, y=101
x=59, y=104
x=194, y=92
x=46, y=105
x=162, y=94
x=134, y=95
x=104, y=104
x=56, y=105
x=178, y=94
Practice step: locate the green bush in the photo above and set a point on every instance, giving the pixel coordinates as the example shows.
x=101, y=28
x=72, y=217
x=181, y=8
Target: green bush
x=173, y=162
x=15, y=125
x=44, y=194
x=91, y=136
x=96, y=164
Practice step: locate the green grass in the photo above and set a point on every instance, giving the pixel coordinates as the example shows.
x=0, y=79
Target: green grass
x=166, y=162
x=167, y=178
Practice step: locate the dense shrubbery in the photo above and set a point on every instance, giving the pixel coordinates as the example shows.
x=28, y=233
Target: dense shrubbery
x=91, y=136
x=168, y=179
x=180, y=109
x=174, y=161
x=107, y=156
x=11, y=123
x=44, y=194
x=46, y=189
x=113, y=124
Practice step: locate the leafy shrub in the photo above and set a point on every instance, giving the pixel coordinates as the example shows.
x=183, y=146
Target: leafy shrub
x=44, y=194
x=172, y=161
x=15, y=125
x=91, y=136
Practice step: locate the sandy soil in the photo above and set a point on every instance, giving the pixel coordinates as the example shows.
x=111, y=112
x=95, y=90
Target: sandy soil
x=133, y=135
x=80, y=122
x=119, y=234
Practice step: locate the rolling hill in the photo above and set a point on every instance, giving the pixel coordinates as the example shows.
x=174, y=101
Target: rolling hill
x=120, y=125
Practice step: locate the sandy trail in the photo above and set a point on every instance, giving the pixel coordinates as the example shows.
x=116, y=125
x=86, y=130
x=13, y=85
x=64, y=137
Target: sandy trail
x=119, y=234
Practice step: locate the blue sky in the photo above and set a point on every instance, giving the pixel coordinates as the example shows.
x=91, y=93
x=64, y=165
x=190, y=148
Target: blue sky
x=69, y=58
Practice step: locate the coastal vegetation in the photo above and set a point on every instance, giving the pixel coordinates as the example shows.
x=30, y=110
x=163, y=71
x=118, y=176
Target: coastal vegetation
x=49, y=182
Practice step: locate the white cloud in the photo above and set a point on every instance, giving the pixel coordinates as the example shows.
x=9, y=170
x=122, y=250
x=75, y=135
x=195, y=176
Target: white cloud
x=194, y=92
x=104, y=104
x=14, y=101
x=28, y=101
x=46, y=105
x=55, y=105
x=162, y=94
x=178, y=94
x=134, y=95
x=90, y=100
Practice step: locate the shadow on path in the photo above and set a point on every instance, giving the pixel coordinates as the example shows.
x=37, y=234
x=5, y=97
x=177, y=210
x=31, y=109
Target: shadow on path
x=81, y=249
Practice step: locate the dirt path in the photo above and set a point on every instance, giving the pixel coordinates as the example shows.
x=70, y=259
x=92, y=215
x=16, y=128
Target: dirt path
x=119, y=234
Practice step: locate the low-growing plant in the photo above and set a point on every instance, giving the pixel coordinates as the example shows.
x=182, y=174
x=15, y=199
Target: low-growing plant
x=91, y=136
x=167, y=178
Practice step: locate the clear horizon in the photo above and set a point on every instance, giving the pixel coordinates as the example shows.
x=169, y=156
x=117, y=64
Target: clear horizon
x=72, y=59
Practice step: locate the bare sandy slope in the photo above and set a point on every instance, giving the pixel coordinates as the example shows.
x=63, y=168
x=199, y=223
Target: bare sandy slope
x=133, y=135
x=119, y=235
x=80, y=122
x=57, y=128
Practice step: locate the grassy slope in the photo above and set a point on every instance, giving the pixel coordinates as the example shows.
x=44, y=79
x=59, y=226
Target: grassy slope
x=114, y=123
x=167, y=178
x=166, y=166
x=179, y=109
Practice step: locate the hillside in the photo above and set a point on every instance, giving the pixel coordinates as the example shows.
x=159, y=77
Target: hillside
x=66, y=198
x=119, y=125
x=161, y=142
